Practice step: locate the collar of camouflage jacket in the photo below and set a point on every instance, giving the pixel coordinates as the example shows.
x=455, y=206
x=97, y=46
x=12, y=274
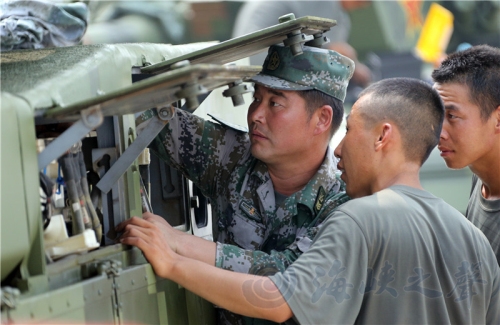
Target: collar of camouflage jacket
x=315, y=191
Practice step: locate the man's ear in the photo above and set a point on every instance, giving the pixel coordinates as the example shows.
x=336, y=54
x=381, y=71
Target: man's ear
x=385, y=133
x=324, y=116
x=496, y=114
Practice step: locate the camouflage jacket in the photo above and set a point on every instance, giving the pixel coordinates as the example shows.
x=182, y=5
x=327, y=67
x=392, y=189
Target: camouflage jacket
x=253, y=235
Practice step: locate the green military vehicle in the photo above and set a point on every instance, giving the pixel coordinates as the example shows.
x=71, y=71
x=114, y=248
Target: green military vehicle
x=73, y=166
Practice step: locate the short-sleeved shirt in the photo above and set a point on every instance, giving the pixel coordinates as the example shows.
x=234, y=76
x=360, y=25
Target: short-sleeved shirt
x=399, y=256
x=485, y=214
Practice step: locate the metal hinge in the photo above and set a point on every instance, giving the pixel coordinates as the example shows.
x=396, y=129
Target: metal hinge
x=111, y=268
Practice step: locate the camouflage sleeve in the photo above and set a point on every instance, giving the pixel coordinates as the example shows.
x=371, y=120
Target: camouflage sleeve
x=205, y=152
x=240, y=260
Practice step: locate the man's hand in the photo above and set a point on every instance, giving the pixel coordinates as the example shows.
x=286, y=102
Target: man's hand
x=150, y=237
x=172, y=235
x=244, y=294
x=181, y=243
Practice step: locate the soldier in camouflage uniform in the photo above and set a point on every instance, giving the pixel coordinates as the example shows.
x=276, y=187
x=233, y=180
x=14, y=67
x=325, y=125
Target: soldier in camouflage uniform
x=260, y=230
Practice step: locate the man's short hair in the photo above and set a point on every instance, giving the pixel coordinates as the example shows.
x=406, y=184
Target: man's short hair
x=315, y=99
x=478, y=68
x=416, y=109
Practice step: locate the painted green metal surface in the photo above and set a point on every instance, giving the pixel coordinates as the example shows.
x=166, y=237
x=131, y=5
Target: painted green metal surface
x=20, y=210
x=71, y=290
x=63, y=76
x=156, y=91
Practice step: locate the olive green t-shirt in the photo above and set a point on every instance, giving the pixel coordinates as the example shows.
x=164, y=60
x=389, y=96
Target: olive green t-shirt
x=399, y=256
x=485, y=214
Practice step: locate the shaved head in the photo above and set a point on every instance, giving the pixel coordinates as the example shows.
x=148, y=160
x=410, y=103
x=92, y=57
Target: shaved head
x=413, y=106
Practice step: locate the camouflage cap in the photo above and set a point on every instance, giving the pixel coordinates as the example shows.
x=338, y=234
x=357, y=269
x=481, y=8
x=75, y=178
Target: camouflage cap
x=320, y=69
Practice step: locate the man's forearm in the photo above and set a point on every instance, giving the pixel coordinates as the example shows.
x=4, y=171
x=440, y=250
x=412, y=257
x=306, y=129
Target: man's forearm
x=196, y=248
x=244, y=294
x=241, y=293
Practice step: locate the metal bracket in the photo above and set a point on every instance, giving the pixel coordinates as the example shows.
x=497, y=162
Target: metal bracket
x=91, y=118
x=190, y=92
x=9, y=297
x=318, y=41
x=294, y=39
x=155, y=125
x=111, y=268
x=236, y=90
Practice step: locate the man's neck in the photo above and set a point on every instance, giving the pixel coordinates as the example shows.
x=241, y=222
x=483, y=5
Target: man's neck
x=491, y=183
x=405, y=173
x=487, y=170
x=291, y=176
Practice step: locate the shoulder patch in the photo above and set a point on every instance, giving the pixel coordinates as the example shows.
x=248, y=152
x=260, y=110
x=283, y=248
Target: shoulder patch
x=250, y=211
x=320, y=199
x=235, y=127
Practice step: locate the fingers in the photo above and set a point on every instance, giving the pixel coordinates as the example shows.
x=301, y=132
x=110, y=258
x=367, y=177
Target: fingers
x=148, y=215
x=134, y=231
x=152, y=243
x=147, y=229
x=154, y=218
x=132, y=221
x=137, y=241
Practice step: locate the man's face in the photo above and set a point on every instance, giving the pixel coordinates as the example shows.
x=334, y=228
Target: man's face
x=279, y=126
x=464, y=139
x=356, y=152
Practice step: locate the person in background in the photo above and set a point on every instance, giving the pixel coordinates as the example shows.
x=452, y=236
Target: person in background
x=468, y=82
x=394, y=254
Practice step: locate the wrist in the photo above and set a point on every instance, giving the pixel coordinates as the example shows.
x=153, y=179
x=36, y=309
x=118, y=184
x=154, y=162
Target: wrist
x=181, y=241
